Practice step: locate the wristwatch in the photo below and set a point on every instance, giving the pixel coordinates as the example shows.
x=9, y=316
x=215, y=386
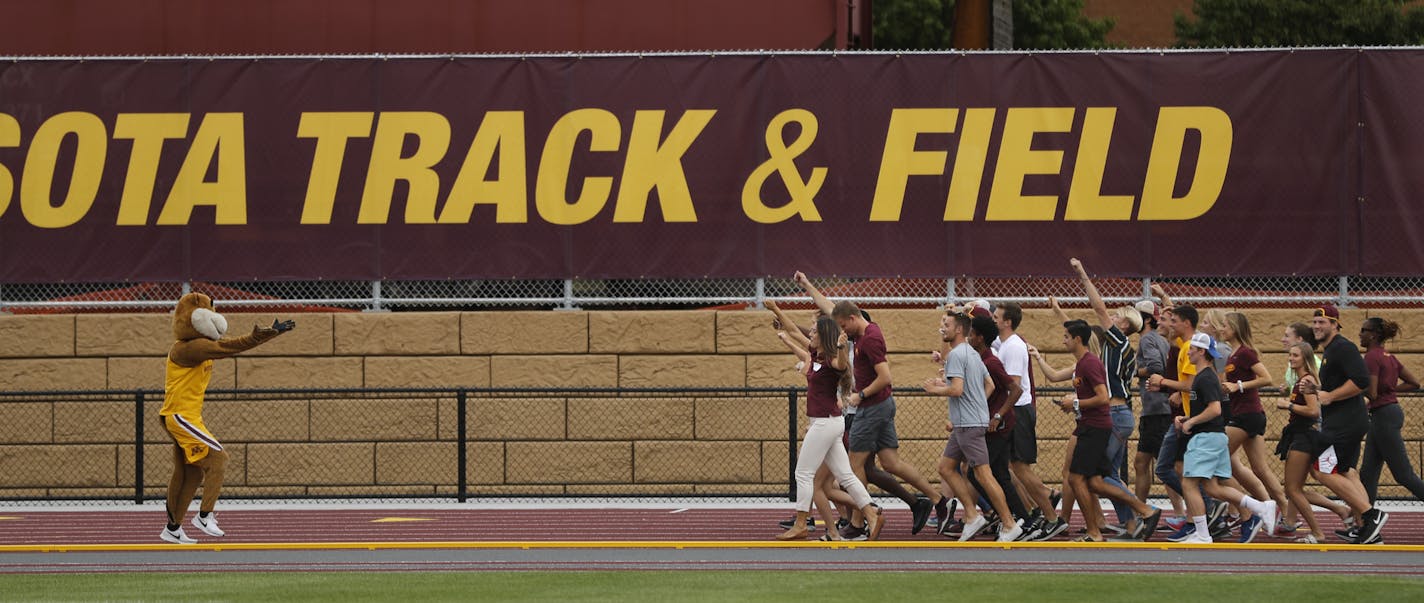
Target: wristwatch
x=998, y=417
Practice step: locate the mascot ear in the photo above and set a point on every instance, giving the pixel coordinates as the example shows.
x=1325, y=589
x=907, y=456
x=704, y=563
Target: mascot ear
x=211, y=324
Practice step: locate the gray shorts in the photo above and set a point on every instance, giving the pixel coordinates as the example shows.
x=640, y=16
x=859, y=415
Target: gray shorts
x=966, y=444
x=874, y=427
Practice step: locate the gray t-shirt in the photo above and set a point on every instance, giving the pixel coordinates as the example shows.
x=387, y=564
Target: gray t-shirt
x=972, y=408
x=1152, y=353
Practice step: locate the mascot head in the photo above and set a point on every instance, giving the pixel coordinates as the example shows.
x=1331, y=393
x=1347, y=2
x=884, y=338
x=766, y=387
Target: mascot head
x=195, y=318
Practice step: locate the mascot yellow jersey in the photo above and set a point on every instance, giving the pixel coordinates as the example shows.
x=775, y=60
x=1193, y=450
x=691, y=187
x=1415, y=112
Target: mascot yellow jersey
x=198, y=332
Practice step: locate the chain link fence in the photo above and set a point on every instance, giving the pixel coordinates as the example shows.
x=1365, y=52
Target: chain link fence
x=699, y=293
x=463, y=444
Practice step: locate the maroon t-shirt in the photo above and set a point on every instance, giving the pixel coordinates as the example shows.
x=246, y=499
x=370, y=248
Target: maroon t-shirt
x=1238, y=368
x=1384, y=367
x=869, y=351
x=1002, y=383
x=821, y=382
x=1087, y=375
x=1298, y=399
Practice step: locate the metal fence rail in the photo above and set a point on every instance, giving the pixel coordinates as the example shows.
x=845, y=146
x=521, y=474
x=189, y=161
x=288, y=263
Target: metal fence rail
x=465, y=443
x=1345, y=291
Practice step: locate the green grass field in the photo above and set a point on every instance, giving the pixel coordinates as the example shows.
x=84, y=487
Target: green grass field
x=819, y=587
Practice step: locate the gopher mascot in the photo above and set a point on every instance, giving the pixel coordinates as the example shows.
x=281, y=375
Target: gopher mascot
x=198, y=457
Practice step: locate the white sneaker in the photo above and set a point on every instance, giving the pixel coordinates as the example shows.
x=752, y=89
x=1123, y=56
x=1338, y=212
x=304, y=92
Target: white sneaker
x=1268, y=517
x=1010, y=536
x=209, y=526
x=972, y=528
x=1198, y=538
x=176, y=536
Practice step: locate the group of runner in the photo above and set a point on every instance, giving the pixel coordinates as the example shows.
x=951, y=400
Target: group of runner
x=1201, y=425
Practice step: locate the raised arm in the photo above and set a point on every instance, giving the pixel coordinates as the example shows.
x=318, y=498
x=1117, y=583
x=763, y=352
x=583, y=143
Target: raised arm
x=196, y=351
x=1094, y=298
x=822, y=301
x=1162, y=296
x=793, y=330
x=1057, y=310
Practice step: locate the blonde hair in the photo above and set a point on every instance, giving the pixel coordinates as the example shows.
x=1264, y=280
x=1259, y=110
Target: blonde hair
x=1216, y=317
x=1307, y=361
x=1238, y=323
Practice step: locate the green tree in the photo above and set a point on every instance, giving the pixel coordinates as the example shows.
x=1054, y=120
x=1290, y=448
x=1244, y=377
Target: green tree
x=1058, y=25
x=1247, y=23
x=913, y=24
x=1038, y=24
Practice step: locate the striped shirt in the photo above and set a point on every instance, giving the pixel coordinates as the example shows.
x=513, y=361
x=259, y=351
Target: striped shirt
x=1121, y=362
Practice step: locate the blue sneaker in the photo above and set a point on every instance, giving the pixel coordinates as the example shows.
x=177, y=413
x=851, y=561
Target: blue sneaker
x=1250, y=528
x=1184, y=533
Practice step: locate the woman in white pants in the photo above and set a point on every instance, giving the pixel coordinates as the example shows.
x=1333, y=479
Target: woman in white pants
x=826, y=361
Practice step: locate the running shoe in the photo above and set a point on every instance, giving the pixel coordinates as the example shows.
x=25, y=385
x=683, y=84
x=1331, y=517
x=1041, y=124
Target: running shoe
x=208, y=525
x=1216, y=510
x=942, y=511
x=176, y=536
x=1053, y=530
x=1269, y=518
x=1307, y=539
x=1175, y=522
x=854, y=533
x=1147, y=525
x=1032, y=530
x=1374, y=520
x=973, y=527
x=1116, y=528
x=952, y=528
x=1010, y=535
x=1250, y=528
x=1197, y=539
x=1378, y=539
x=1348, y=534
x=921, y=513
x=1183, y=533
x=1284, y=529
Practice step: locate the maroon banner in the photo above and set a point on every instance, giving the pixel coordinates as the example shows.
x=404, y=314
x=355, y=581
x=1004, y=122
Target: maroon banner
x=1142, y=164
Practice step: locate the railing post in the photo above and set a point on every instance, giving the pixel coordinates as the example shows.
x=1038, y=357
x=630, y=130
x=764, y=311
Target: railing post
x=138, y=447
x=791, y=444
x=460, y=434
x=949, y=290
x=1344, y=300
x=760, y=293
x=376, y=296
x=1146, y=287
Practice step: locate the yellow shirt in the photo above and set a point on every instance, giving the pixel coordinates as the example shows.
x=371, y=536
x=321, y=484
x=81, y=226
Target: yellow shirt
x=183, y=389
x=1185, y=370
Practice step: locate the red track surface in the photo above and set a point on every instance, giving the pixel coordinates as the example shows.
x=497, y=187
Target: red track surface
x=488, y=525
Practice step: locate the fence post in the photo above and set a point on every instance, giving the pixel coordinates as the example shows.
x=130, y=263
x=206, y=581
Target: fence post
x=1344, y=299
x=1146, y=287
x=138, y=447
x=949, y=290
x=376, y=296
x=460, y=460
x=760, y=293
x=791, y=444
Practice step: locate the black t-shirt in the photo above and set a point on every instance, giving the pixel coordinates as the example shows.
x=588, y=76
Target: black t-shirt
x=1206, y=388
x=1341, y=362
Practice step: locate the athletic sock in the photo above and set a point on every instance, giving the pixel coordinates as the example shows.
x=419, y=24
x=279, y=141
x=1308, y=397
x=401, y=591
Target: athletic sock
x=172, y=527
x=1256, y=507
x=1200, y=522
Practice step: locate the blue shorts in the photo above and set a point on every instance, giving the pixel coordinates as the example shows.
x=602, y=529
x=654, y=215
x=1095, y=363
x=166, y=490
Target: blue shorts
x=1207, y=456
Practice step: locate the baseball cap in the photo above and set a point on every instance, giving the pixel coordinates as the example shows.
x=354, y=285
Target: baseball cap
x=983, y=303
x=1328, y=311
x=980, y=311
x=1149, y=308
x=1205, y=342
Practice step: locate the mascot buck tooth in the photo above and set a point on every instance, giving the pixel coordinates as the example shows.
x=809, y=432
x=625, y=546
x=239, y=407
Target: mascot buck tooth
x=198, y=457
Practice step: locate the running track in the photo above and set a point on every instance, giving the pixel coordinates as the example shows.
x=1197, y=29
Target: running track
x=560, y=539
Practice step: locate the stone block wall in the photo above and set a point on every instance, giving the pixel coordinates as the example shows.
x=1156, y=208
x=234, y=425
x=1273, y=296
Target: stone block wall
x=550, y=443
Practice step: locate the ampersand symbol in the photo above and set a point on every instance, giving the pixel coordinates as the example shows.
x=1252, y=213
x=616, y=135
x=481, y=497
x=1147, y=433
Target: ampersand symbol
x=782, y=161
